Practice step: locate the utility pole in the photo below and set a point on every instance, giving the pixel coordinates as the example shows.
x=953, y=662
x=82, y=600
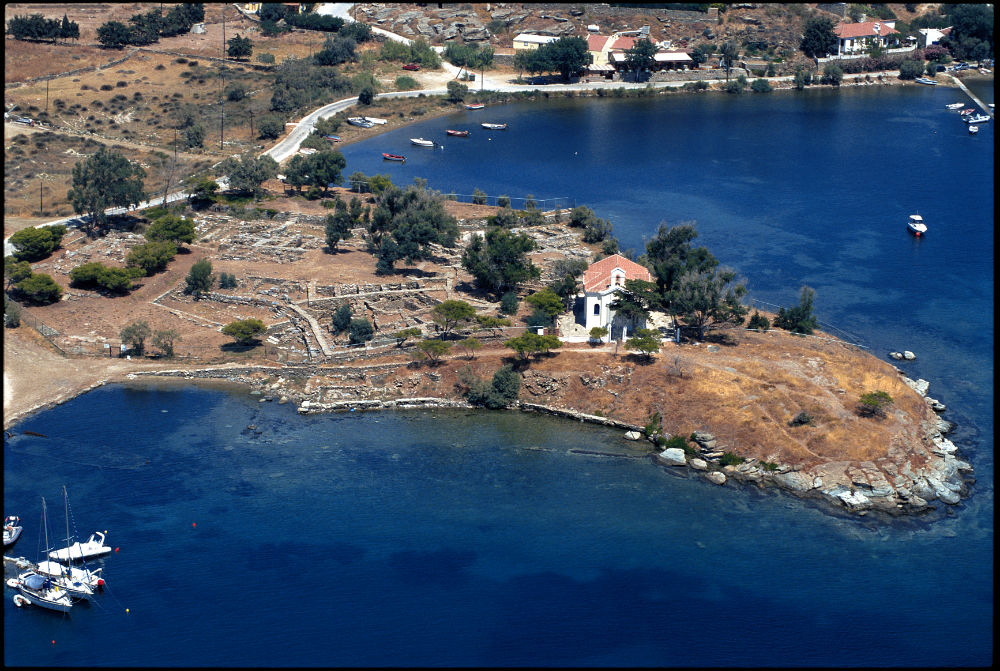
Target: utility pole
x=251, y=127
x=41, y=212
x=46, y=96
x=222, y=91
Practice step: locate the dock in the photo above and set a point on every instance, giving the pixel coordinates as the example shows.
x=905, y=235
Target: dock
x=986, y=108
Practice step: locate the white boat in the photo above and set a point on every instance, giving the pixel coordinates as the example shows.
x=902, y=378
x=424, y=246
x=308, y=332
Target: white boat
x=916, y=225
x=80, y=583
x=421, y=142
x=955, y=106
x=494, y=126
x=93, y=547
x=925, y=80
x=41, y=591
x=11, y=530
x=973, y=130
x=376, y=120
x=977, y=118
x=359, y=121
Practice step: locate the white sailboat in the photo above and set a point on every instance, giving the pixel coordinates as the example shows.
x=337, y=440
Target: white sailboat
x=79, y=583
x=41, y=590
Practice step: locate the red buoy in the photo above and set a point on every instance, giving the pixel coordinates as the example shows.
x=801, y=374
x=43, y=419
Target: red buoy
x=193, y=525
x=100, y=582
x=116, y=549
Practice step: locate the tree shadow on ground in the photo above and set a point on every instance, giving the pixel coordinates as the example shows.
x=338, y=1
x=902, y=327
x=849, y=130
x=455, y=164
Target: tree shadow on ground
x=414, y=272
x=721, y=338
x=639, y=359
x=235, y=347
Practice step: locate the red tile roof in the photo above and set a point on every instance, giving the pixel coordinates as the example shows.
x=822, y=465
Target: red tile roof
x=866, y=29
x=598, y=276
x=596, y=42
x=624, y=43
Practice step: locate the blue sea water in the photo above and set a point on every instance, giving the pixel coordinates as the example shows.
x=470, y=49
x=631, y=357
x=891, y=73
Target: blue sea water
x=460, y=538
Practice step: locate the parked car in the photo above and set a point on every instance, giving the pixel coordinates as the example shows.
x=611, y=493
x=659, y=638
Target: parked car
x=411, y=66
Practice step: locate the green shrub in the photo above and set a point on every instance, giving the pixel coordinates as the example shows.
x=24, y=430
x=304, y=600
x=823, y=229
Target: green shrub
x=509, y=303
x=265, y=58
x=801, y=419
x=761, y=86
x=39, y=289
x=874, y=403
x=759, y=322
x=341, y=318
x=360, y=331
x=11, y=313
x=406, y=83
x=769, y=466
x=730, y=459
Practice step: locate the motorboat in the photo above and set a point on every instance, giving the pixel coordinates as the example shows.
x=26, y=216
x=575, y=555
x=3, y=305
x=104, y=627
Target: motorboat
x=92, y=547
x=494, y=126
x=360, y=121
x=475, y=106
x=973, y=130
x=375, y=120
x=458, y=133
x=332, y=138
x=421, y=142
x=11, y=530
x=925, y=80
x=978, y=118
x=955, y=106
x=393, y=157
x=916, y=225
x=306, y=151
x=41, y=591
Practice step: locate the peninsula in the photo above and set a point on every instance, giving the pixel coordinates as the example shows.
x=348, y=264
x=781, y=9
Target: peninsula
x=296, y=255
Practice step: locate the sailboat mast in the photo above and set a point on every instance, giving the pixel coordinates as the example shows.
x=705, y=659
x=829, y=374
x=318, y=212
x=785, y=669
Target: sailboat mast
x=45, y=525
x=66, y=504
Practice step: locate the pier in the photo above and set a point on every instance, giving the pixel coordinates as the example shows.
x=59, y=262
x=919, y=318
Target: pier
x=986, y=108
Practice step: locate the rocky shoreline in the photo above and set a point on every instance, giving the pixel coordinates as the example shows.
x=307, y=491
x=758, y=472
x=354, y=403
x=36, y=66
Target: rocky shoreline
x=895, y=486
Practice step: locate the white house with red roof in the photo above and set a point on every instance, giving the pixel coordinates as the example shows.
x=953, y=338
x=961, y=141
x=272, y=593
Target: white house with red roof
x=857, y=38
x=601, y=281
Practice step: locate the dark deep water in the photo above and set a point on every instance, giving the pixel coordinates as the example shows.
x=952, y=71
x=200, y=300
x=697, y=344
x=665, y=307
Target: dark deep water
x=458, y=538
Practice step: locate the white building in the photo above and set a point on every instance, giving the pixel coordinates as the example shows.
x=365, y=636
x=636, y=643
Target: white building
x=601, y=281
x=929, y=36
x=530, y=42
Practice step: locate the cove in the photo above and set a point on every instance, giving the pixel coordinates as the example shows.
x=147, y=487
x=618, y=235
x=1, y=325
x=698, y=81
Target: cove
x=461, y=538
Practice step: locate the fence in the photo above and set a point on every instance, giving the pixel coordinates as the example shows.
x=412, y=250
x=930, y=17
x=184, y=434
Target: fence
x=844, y=336
x=45, y=331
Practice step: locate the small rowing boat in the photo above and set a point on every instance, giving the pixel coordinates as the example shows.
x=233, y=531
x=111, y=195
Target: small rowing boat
x=332, y=138
x=458, y=133
x=421, y=142
x=973, y=130
x=360, y=122
x=494, y=126
x=475, y=106
x=967, y=111
x=393, y=157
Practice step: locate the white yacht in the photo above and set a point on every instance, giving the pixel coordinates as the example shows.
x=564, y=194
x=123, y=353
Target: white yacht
x=92, y=547
x=916, y=225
